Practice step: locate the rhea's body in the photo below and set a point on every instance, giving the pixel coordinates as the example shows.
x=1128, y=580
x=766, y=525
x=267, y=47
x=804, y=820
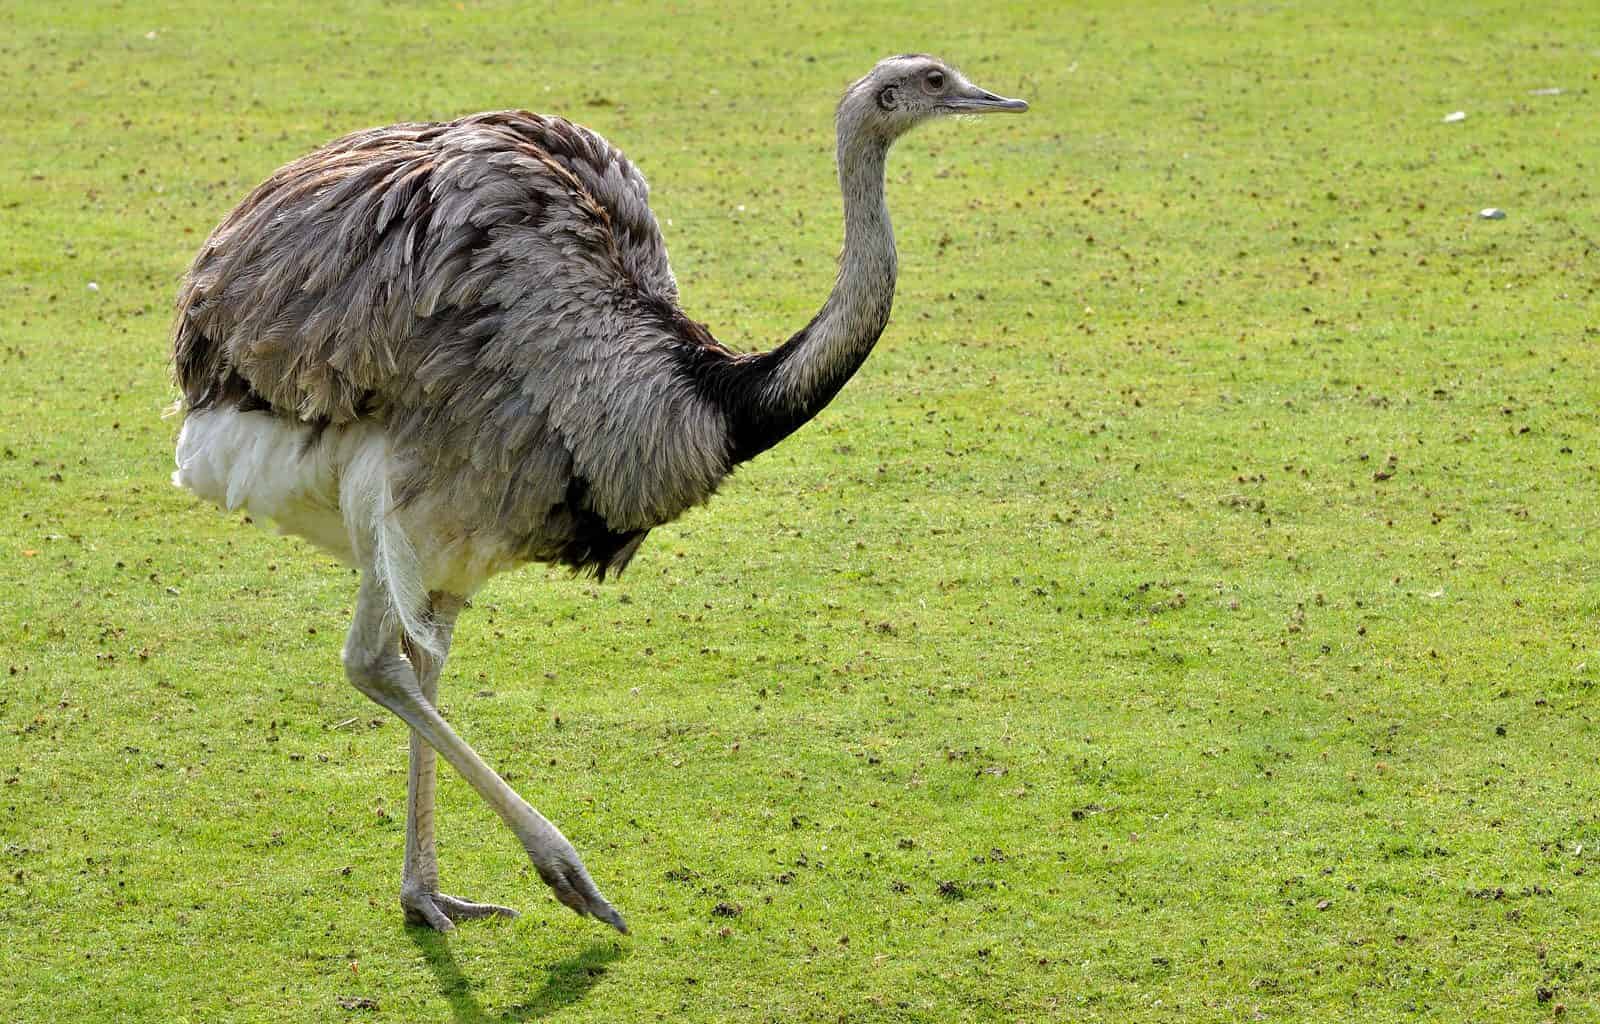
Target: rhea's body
x=494, y=359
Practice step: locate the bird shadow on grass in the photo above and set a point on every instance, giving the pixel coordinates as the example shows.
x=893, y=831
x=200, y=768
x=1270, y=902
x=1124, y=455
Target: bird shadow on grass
x=565, y=982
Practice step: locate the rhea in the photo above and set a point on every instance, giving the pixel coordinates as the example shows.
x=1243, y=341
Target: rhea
x=442, y=351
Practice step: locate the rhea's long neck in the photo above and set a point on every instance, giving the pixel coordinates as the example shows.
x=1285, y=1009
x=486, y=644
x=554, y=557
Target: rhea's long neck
x=784, y=388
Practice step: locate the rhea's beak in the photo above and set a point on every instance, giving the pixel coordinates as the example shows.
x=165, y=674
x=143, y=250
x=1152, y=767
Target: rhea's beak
x=974, y=100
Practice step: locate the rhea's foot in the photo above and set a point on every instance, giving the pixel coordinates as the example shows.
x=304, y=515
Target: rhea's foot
x=441, y=912
x=573, y=886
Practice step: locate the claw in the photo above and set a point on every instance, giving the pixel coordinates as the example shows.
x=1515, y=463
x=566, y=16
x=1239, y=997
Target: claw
x=609, y=915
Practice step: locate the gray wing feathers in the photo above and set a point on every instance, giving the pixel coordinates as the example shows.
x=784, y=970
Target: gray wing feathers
x=616, y=184
x=487, y=287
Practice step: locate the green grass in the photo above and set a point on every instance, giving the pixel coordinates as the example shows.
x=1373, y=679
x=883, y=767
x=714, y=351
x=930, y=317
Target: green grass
x=1189, y=613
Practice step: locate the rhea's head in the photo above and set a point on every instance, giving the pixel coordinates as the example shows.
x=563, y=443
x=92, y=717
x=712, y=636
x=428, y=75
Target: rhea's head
x=902, y=92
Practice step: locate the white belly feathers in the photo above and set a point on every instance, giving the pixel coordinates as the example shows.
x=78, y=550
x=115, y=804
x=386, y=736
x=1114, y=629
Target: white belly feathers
x=335, y=492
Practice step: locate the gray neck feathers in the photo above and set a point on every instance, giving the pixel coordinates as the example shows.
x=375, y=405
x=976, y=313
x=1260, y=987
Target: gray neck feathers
x=813, y=365
x=769, y=396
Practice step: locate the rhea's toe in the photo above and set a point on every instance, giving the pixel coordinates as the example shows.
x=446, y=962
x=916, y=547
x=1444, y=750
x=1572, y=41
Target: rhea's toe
x=573, y=886
x=466, y=910
x=423, y=912
x=441, y=912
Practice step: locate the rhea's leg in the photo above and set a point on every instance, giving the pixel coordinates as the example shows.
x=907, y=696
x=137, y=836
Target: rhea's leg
x=373, y=662
x=419, y=882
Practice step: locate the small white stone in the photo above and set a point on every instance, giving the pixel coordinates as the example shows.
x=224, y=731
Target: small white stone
x=1454, y=116
x=93, y=287
x=1492, y=213
x=1544, y=92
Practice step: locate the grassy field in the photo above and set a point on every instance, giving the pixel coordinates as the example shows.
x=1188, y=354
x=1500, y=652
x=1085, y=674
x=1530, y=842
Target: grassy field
x=1188, y=614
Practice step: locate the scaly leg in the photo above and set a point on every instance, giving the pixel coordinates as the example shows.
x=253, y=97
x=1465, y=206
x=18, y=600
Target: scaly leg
x=419, y=882
x=373, y=662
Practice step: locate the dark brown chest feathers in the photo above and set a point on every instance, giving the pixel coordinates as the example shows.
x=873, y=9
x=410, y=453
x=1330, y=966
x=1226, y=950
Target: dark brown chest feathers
x=578, y=537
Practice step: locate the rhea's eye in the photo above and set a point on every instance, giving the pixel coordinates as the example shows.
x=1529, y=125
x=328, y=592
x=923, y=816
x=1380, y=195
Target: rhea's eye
x=936, y=80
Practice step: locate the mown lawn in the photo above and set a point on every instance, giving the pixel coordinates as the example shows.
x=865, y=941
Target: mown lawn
x=1188, y=613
